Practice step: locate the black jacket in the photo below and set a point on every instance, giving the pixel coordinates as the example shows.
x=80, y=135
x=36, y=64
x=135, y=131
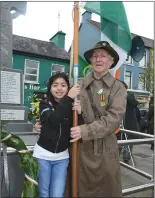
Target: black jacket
x=151, y=119
x=56, y=123
x=131, y=121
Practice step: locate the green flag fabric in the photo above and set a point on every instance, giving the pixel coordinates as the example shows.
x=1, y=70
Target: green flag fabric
x=114, y=26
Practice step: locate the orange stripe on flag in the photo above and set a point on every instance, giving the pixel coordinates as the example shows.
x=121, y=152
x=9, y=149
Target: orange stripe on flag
x=117, y=75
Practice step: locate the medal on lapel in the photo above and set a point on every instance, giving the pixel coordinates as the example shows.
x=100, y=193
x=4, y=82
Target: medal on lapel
x=102, y=98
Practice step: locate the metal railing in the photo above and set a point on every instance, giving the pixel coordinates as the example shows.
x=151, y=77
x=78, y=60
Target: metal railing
x=146, y=139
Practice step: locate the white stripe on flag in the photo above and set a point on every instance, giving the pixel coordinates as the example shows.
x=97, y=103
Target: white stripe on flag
x=121, y=52
x=82, y=4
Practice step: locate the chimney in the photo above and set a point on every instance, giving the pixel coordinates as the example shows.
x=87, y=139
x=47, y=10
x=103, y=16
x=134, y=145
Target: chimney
x=86, y=16
x=59, y=39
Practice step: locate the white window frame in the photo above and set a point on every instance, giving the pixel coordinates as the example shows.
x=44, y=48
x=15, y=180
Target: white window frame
x=57, y=65
x=129, y=60
x=139, y=82
x=28, y=81
x=131, y=78
x=145, y=60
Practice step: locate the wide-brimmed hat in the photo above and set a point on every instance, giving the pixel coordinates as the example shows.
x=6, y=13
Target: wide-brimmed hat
x=106, y=46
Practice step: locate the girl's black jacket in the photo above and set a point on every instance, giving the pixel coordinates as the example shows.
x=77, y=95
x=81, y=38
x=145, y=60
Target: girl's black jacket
x=56, y=122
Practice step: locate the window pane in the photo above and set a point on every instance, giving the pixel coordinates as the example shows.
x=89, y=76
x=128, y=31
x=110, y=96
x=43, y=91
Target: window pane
x=142, y=63
x=31, y=78
x=129, y=60
x=31, y=71
x=57, y=68
x=141, y=84
x=128, y=79
x=54, y=72
x=32, y=64
x=128, y=74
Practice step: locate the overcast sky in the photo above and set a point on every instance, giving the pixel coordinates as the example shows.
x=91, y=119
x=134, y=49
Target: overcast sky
x=41, y=20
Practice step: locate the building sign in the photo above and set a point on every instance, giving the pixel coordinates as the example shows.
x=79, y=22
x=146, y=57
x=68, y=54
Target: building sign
x=34, y=87
x=11, y=114
x=10, y=87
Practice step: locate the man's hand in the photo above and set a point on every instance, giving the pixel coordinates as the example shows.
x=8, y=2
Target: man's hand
x=75, y=133
x=37, y=127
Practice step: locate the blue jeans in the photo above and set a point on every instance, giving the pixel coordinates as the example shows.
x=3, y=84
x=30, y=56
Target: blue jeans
x=52, y=177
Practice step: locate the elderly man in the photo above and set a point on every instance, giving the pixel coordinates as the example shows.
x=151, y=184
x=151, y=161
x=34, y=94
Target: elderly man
x=103, y=103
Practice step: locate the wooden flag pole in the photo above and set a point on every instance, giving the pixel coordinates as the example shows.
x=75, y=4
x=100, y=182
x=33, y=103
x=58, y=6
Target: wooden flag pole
x=75, y=114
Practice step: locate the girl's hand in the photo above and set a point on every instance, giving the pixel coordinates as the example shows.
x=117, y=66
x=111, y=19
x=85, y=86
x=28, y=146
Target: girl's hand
x=77, y=107
x=74, y=91
x=37, y=126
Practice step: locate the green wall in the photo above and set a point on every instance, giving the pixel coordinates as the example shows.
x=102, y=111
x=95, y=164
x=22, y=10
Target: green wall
x=44, y=73
x=59, y=40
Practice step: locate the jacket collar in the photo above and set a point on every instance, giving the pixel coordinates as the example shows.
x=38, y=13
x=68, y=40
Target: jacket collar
x=108, y=79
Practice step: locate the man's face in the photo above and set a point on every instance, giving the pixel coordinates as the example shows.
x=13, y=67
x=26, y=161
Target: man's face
x=101, y=61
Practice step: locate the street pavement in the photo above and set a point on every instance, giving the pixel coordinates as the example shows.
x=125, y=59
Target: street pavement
x=143, y=157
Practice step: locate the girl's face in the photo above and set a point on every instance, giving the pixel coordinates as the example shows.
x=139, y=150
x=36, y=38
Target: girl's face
x=59, y=88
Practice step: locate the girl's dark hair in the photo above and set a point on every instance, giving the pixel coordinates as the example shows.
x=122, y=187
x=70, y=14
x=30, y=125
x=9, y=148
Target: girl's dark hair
x=62, y=75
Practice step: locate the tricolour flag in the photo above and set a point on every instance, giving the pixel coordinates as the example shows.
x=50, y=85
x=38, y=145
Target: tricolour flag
x=83, y=69
x=114, y=27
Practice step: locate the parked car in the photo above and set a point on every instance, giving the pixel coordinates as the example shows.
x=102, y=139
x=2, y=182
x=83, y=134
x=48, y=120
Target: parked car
x=143, y=120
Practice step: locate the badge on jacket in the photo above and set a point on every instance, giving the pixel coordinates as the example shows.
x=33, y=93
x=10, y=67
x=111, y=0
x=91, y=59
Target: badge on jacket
x=102, y=98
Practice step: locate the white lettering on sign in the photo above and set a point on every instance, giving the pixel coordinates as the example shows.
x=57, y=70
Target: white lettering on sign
x=10, y=87
x=11, y=114
x=32, y=87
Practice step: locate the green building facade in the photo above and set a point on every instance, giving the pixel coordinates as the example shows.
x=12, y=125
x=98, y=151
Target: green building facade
x=39, y=60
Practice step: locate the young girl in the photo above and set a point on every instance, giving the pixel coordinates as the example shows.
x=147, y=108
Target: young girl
x=51, y=150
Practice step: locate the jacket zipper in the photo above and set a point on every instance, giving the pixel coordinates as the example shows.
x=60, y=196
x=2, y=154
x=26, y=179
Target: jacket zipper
x=58, y=139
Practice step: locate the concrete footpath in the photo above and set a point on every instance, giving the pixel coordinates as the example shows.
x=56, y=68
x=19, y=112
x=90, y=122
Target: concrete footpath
x=143, y=157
